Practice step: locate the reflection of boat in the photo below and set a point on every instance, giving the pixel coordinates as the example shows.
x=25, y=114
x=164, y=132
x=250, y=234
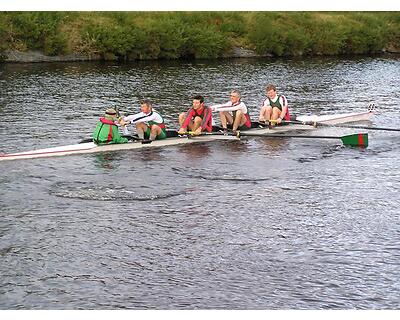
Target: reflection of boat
x=91, y=147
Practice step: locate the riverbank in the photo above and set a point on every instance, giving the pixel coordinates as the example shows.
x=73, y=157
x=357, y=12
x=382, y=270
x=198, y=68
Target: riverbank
x=13, y=56
x=129, y=36
x=37, y=56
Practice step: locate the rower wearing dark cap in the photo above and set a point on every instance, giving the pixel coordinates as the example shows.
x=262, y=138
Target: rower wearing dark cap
x=106, y=131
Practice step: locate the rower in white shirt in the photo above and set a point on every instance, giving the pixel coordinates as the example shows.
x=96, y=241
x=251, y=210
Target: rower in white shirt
x=234, y=113
x=149, y=123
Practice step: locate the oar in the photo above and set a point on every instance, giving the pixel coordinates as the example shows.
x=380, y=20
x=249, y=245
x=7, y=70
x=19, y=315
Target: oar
x=358, y=139
x=187, y=134
x=316, y=124
x=192, y=134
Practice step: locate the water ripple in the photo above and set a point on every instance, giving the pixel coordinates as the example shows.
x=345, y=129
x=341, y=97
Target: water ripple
x=86, y=191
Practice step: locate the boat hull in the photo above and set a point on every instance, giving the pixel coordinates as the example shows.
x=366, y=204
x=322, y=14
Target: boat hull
x=339, y=118
x=90, y=147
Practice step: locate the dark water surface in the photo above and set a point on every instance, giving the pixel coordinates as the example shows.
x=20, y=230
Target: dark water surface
x=255, y=224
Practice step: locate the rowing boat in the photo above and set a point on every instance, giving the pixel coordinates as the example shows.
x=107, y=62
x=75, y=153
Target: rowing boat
x=90, y=147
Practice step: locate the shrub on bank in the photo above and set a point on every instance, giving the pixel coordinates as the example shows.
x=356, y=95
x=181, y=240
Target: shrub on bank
x=36, y=31
x=158, y=36
x=3, y=36
x=288, y=34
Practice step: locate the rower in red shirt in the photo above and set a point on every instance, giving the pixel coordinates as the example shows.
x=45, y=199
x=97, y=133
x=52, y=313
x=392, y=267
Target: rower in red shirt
x=196, y=119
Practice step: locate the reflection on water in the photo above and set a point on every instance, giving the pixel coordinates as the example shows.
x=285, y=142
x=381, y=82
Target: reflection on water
x=193, y=151
x=252, y=224
x=272, y=145
x=233, y=148
x=107, y=160
x=151, y=154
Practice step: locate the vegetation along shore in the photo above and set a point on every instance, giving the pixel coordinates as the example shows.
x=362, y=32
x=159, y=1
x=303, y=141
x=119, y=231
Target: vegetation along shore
x=129, y=36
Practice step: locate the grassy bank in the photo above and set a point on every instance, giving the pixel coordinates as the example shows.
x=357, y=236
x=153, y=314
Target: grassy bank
x=174, y=35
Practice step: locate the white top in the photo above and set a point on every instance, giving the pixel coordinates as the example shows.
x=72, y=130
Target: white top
x=282, y=101
x=230, y=107
x=144, y=117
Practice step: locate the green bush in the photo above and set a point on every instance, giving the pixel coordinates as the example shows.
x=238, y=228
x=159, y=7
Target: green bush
x=168, y=36
x=55, y=44
x=233, y=24
x=4, y=41
x=266, y=34
x=203, y=43
x=325, y=40
x=107, y=38
x=38, y=30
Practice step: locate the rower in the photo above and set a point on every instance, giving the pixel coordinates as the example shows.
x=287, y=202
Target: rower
x=234, y=113
x=149, y=123
x=196, y=119
x=106, y=131
x=274, y=108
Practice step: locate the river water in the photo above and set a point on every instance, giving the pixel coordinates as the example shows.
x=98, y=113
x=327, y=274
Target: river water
x=254, y=224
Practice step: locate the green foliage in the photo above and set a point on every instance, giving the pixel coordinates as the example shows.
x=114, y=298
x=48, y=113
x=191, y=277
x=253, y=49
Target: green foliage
x=38, y=30
x=3, y=34
x=204, y=42
x=116, y=39
x=174, y=35
x=266, y=33
x=233, y=24
x=55, y=44
x=188, y=35
x=156, y=36
x=168, y=36
x=366, y=34
x=282, y=34
x=327, y=38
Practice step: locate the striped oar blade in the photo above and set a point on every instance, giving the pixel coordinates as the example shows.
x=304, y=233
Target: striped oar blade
x=358, y=140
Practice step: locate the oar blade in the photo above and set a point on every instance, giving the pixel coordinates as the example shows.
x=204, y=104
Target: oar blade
x=356, y=140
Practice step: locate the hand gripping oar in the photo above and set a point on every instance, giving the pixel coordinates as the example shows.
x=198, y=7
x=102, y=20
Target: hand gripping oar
x=356, y=140
x=321, y=124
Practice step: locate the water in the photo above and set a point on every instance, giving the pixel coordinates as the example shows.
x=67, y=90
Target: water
x=256, y=224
